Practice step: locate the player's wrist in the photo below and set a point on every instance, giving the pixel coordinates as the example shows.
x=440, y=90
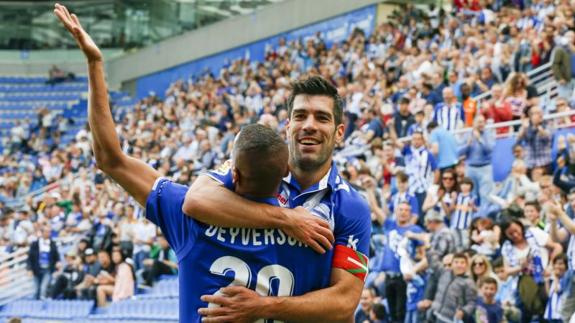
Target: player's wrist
x=285, y=218
x=269, y=306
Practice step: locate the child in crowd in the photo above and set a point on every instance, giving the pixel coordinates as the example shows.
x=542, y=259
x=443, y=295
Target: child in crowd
x=485, y=237
x=463, y=213
x=489, y=310
x=402, y=195
x=506, y=292
x=556, y=286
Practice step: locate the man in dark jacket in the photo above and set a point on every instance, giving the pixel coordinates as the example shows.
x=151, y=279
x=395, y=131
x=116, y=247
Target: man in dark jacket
x=43, y=259
x=453, y=296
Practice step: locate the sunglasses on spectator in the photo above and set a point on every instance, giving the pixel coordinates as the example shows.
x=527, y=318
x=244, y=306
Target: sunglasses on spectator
x=478, y=264
x=447, y=178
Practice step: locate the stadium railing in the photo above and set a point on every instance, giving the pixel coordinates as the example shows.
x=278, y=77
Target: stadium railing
x=15, y=283
x=541, y=77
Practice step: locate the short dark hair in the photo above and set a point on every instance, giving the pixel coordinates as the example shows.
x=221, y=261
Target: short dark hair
x=402, y=177
x=317, y=85
x=267, y=153
x=432, y=125
x=497, y=263
x=404, y=100
x=466, y=180
x=534, y=204
x=460, y=255
x=561, y=257
x=487, y=280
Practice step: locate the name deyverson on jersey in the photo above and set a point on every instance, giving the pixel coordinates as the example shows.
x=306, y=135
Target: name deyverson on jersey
x=251, y=237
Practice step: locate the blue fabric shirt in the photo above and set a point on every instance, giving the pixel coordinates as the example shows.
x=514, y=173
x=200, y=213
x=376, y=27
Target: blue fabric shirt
x=265, y=260
x=394, y=235
x=478, y=152
x=447, y=155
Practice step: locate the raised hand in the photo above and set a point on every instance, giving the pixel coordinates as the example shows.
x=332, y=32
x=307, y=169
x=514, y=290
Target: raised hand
x=84, y=41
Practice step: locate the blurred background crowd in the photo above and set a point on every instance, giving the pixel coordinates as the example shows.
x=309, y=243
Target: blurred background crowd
x=447, y=238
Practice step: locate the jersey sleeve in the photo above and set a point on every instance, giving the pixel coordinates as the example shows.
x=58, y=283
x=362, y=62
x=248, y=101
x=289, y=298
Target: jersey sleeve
x=223, y=175
x=164, y=209
x=352, y=234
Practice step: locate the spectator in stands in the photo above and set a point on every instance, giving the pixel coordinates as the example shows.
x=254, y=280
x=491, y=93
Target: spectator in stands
x=162, y=261
x=449, y=114
x=489, y=310
x=555, y=285
x=366, y=302
x=68, y=278
x=486, y=80
x=420, y=166
x=537, y=139
x=562, y=70
x=402, y=119
x=121, y=282
x=100, y=236
x=443, y=146
x=442, y=197
x=454, y=295
x=498, y=109
x=468, y=105
x=126, y=230
x=375, y=127
x=477, y=150
x=143, y=241
x=484, y=236
x=395, y=285
x=526, y=253
x=391, y=164
x=43, y=260
x=562, y=234
x=57, y=75
x=481, y=269
x=442, y=241
x=515, y=94
x=403, y=195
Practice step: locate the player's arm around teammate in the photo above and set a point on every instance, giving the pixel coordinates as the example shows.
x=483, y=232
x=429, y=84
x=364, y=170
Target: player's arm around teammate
x=210, y=202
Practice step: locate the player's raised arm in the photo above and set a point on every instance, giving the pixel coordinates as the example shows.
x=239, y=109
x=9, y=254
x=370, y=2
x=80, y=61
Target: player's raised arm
x=135, y=176
x=210, y=202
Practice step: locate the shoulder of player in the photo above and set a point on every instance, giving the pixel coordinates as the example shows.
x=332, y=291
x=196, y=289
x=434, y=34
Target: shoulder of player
x=347, y=199
x=163, y=183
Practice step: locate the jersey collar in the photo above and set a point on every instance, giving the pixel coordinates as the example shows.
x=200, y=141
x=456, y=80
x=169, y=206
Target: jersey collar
x=330, y=180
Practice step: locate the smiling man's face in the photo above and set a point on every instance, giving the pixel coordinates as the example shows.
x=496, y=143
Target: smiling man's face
x=312, y=131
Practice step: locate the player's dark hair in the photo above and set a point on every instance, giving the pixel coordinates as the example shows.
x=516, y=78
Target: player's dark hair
x=260, y=155
x=317, y=85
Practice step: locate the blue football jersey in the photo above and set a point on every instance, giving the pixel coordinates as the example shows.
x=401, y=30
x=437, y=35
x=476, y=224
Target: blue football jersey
x=264, y=260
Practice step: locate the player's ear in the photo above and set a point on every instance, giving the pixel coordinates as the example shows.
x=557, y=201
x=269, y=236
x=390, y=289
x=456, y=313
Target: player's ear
x=235, y=175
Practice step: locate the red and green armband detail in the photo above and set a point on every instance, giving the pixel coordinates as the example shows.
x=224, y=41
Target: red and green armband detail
x=352, y=261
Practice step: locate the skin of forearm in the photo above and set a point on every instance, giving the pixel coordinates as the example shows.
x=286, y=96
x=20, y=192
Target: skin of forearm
x=211, y=203
x=317, y=306
x=567, y=222
x=106, y=144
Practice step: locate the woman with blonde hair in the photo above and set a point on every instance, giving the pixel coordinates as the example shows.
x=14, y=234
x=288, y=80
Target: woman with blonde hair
x=481, y=268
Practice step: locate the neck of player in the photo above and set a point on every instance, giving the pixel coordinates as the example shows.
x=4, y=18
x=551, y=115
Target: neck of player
x=307, y=178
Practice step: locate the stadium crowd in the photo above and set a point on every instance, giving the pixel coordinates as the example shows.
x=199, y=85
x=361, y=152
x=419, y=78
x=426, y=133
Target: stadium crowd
x=447, y=241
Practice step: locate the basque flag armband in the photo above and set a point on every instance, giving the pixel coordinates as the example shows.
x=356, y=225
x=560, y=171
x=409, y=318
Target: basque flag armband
x=351, y=261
